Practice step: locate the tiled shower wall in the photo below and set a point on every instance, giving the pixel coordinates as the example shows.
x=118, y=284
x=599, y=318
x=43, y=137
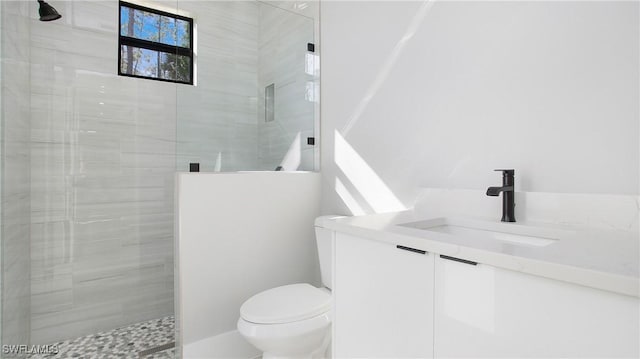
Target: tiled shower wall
x=15, y=173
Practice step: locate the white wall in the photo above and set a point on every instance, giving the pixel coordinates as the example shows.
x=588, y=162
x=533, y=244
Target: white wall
x=439, y=95
x=239, y=234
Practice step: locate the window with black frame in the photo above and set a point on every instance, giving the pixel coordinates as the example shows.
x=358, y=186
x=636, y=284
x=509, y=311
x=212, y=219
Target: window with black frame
x=155, y=44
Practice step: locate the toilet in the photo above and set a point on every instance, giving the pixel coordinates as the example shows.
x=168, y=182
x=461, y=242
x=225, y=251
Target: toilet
x=293, y=321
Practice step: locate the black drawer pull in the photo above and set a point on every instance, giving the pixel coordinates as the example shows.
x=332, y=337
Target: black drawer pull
x=458, y=260
x=412, y=249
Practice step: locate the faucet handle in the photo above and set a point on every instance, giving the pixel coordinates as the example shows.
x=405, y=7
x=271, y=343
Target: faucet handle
x=508, y=172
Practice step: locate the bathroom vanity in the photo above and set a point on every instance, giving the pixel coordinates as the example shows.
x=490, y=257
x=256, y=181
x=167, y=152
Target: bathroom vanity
x=459, y=287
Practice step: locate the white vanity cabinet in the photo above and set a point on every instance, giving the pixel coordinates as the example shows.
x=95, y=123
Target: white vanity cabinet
x=383, y=300
x=484, y=311
x=394, y=303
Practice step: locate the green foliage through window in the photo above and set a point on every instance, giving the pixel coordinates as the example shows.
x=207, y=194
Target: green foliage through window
x=155, y=44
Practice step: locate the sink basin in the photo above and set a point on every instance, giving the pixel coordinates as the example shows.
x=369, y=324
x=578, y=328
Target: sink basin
x=505, y=232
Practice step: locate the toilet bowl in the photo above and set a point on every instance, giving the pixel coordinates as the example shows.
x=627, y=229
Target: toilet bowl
x=293, y=321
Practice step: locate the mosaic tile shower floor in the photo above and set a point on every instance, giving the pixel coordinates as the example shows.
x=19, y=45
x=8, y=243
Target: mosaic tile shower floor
x=135, y=341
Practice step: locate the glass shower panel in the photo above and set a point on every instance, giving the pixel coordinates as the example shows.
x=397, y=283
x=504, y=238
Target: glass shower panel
x=217, y=116
x=98, y=188
x=254, y=103
x=288, y=65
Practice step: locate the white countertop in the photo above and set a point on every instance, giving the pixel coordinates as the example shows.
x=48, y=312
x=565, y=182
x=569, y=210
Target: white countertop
x=598, y=258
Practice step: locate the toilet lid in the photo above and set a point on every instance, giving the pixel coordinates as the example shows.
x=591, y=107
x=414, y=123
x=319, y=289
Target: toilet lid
x=286, y=304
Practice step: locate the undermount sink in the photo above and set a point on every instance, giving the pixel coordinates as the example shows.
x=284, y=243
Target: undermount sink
x=506, y=232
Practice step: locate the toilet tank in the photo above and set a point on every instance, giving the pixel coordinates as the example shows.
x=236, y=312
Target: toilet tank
x=324, y=240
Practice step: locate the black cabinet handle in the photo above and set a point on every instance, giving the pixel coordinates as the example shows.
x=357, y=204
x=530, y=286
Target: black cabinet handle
x=411, y=249
x=458, y=260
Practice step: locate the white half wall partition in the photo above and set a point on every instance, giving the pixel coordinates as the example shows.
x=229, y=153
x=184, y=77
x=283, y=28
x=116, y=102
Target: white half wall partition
x=238, y=234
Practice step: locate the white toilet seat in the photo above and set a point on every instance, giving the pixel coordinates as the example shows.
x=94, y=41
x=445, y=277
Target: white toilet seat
x=291, y=321
x=286, y=304
x=284, y=330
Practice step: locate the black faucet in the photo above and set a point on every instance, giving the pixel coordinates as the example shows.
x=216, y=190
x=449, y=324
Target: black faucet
x=508, y=203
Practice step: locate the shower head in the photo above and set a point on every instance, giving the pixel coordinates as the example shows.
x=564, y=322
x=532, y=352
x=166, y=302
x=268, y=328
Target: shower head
x=47, y=12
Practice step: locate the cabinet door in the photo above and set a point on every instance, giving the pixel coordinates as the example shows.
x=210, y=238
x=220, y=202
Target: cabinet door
x=483, y=311
x=383, y=300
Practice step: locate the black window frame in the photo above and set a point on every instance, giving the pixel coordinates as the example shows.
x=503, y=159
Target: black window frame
x=152, y=45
